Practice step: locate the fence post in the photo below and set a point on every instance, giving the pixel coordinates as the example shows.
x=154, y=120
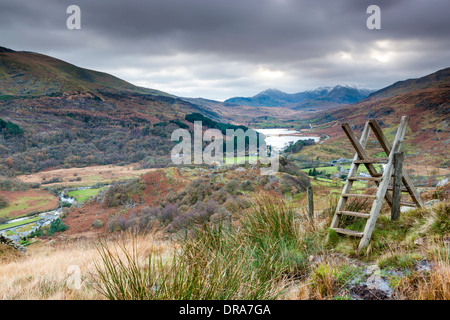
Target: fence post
x=397, y=192
x=309, y=194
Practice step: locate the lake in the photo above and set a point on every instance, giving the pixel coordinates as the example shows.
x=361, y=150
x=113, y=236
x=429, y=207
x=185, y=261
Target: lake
x=280, y=138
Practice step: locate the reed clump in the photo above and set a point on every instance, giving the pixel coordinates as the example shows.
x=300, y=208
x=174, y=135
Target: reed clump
x=253, y=260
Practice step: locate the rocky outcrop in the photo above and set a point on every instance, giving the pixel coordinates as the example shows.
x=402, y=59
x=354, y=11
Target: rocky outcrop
x=11, y=243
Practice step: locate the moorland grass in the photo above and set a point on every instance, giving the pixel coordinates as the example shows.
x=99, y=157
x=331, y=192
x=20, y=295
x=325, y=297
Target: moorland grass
x=255, y=260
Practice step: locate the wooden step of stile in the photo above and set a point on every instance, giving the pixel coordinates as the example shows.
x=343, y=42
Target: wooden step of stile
x=408, y=204
x=372, y=160
x=354, y=214
x=401, y=189
x=359, y=195
x=364, y=178
x=349, y=232
x=378, y=174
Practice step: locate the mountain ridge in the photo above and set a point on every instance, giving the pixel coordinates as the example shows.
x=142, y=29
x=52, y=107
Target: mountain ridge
x=39, y=75
x=336, y=95
x=442, y=75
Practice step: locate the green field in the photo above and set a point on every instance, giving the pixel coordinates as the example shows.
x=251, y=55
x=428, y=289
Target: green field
x=327, y=170
x=231, y=160
x=82, y=196
x=334, y=169
x=22, y=203
x=18, y=223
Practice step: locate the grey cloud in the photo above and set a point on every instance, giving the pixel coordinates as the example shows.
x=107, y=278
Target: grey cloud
x=225, y=43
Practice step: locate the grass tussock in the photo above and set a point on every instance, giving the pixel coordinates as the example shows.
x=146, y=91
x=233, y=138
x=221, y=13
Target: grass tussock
x=208, y=267
x=399, y=260
x=329, y=280
x=254, y=261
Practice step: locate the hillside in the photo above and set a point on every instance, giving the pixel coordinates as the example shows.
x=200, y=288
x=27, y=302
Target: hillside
x=33, y=74
x=330, y=97
x=55, y=114
x=431, y=80
x=425, y=100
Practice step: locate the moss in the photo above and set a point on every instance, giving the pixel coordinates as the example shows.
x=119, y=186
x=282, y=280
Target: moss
x=329, y=280
x=344, y=297
x=400, y=260
x=332, y=237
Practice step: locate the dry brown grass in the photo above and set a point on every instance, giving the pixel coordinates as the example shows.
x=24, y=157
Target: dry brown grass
x=89, y=175
x=51, y=271
x=433, y=285
x=299, y=291
x=8, y=254
x=421, y=286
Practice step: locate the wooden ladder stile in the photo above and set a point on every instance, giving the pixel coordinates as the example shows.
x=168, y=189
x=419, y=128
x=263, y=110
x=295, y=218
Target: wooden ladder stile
x=381, y=180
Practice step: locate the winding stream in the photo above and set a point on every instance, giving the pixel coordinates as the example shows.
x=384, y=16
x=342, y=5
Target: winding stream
x=46, y=217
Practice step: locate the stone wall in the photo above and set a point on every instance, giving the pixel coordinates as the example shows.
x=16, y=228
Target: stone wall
x=11, y=243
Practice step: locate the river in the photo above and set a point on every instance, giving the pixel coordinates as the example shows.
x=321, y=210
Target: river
x=46, y=217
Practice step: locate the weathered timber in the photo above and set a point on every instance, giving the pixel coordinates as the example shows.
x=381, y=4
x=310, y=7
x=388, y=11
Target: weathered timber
x=309, y=193
x=397, y=193
x=354, y=214
x=348, y=232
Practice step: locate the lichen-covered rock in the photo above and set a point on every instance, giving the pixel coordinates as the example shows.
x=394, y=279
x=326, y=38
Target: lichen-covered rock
x=432, y=202
x=11, y=243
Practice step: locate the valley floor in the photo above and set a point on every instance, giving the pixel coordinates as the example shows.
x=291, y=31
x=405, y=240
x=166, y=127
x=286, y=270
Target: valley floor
x=83, y=176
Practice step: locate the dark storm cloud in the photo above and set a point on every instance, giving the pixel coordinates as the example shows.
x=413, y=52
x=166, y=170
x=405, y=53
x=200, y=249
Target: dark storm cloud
x=217, y=48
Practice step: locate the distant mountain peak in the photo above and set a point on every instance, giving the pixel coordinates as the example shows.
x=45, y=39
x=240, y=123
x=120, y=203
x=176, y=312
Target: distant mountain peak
x=271, y=90
x=339, y=94
x=324, y=89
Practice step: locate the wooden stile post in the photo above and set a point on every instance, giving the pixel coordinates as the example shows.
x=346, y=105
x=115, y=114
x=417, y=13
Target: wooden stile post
x=397, y=192
x=309, y=194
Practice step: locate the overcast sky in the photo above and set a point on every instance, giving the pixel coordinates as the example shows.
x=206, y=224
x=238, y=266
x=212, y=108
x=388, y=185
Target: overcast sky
x=218, y=49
